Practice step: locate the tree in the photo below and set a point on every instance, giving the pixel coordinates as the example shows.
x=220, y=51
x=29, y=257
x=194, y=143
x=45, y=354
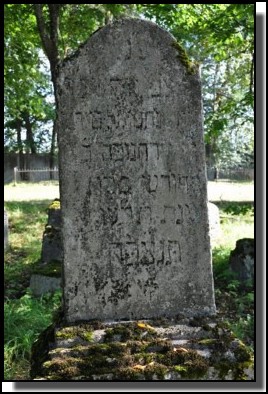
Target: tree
x=60, y=30
x=221, y=38
x=218, y=36
x=26, y=86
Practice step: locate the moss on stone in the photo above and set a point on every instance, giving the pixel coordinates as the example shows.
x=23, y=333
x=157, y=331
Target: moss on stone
x=191, y=67
x=242, y=353
x=53, y=269
x=129, y=373
x=207, y=341
x=86, y=335
x=155, y=370
x=180, y=368
x=158, y=345
x=223, y=367
x=85, y=332
x=63, y=367
x=55, y=204
x=125, y=332
x=134, y=356
x=195, y=364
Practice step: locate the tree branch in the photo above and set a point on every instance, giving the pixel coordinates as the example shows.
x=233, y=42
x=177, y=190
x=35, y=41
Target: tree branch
x=49, y=36
x=42, y=29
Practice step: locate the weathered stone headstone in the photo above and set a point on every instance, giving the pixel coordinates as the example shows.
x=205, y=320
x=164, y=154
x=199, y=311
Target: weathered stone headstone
x=42, y=284
x=5, y=229
x=214, y=222
x=242, y=259
x=132, y=178
x=52, y=239
x=47, y=275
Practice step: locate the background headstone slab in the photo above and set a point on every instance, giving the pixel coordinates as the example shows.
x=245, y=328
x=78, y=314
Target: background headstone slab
x=132, y=179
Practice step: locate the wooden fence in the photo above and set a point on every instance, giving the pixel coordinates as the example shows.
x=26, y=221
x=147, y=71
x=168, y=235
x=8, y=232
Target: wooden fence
x=35, y=175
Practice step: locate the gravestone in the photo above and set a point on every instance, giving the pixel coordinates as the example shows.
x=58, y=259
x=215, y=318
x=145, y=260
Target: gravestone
x=47, y=274
x=242, y=259
x=132, y=178
x=52, y=240
x=214, y=222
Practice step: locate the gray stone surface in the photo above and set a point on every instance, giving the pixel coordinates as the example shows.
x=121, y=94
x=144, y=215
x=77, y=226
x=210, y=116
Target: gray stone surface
x=214, y=221
x=54, y=218
x=5, y=229
x=242, y=259
x=132, y=178
x=125, y=351
x=41, y=284
x=51, y=246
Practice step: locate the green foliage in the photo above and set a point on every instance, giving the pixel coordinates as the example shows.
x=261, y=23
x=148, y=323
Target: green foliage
x=234, y=208
x=26, y=86
x=221, y=38
x=218, y=36
x=244, y=328
x=235, y=301
x=223, y=276
x=24, y=319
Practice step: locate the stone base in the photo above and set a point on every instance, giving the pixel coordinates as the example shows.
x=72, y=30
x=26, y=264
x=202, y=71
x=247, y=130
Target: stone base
x=185, y=349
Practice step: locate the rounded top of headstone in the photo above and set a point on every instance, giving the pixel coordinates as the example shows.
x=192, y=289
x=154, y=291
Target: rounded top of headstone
x=119, y=39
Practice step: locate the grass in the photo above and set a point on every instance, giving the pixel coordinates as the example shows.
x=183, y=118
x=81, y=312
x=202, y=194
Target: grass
x=31, y=191
x=26, y=225
x=26, y=316
x=233, y=300
x=236, y=222
x=230, y=191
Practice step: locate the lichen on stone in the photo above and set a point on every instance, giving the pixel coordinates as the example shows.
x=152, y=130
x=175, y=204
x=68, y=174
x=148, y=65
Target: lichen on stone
x=191, y=67
x=55, y=204
x=53, y=269
x=134, y=351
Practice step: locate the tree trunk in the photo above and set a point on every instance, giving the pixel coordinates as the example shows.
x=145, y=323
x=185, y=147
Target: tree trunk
x=49, y=34
x=30, y=144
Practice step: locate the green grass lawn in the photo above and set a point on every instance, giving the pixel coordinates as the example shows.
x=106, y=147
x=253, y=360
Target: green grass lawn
x=26, y=316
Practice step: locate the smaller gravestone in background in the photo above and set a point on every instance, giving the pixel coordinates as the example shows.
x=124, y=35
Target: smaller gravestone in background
x=42, y=284
x=214, y=222
x=47, y=276
x=242, y=259
x=5, y=229
x=54, y=215
x=52, y=240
